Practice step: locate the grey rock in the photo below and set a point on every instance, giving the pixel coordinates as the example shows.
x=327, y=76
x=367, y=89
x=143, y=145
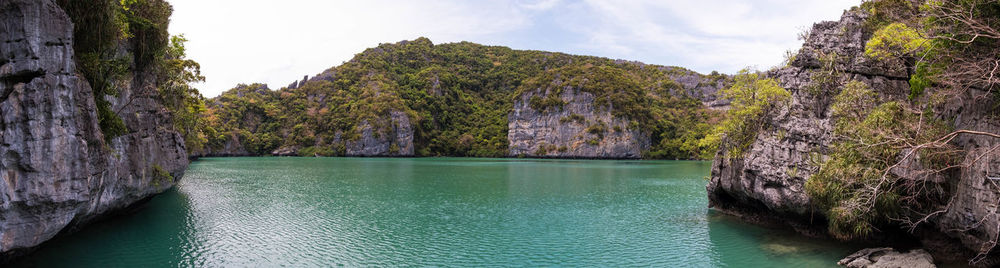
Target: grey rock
x=768, y=181
x=286, y=151
x=699, y=86
x=888, y=258
x=529, y=130
x=563, y=132
x=303, y=81
x=395, y=139
x=771, y=176
x=56, y=170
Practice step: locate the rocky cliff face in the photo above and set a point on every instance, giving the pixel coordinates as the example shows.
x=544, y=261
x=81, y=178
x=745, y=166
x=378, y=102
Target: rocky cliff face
x=579, y=129
x=767, y=184
x=56, y=170
x=396, y=139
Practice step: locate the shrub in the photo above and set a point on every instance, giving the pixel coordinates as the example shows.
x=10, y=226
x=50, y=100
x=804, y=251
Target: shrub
x=752, y=99
x=579, y=119
x=161, y=175
x=895, y=40
x=853, y=188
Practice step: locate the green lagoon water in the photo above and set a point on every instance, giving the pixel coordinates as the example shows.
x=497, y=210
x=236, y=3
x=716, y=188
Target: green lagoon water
x=306, y=212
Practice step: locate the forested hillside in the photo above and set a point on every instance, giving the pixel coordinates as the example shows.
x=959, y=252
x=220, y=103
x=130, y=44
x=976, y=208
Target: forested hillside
x=417, y=98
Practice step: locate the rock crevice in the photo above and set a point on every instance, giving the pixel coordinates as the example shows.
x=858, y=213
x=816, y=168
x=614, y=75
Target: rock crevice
x=57, y=171
x=767, y=183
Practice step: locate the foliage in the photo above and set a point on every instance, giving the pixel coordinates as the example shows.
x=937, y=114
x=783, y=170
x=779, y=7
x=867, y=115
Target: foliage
x=184, y=101
x=456, y=96
x=964, y=54
x=885, y=12
x=161, y=175
x=825, y=80
x=99, y=28
x=752, y=99
x=895, y=40
x=898, y=41
x=854, y=187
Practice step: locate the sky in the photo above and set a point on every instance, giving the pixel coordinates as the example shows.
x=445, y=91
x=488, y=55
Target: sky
x=277, y=42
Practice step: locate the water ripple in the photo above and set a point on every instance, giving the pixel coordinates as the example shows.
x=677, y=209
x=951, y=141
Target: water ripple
x=320, y=212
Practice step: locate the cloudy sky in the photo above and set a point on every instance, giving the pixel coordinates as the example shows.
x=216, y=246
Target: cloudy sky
x=277, y=42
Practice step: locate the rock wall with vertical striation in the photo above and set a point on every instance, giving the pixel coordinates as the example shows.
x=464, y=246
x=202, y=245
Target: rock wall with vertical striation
x=57, y=172
x=577, y=123
x=564, y=132
x=767, y=183
x=396, y=139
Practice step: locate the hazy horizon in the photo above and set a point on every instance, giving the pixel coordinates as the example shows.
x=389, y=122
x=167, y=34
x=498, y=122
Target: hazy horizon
x=279, y=42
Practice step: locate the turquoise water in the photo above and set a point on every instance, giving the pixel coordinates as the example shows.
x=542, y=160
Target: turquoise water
x=433, y=212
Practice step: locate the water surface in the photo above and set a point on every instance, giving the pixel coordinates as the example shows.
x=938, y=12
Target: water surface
x=434, y=212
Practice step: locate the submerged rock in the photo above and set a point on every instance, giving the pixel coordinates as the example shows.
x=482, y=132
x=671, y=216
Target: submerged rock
x=888, y=258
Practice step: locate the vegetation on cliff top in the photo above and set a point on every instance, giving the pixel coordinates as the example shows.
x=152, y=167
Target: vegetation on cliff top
x=752, y=99
x=456, y=96
x=121, y=42
x=945, y=47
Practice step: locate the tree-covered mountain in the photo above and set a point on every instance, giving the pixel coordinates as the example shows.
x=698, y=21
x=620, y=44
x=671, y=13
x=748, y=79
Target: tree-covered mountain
x=418, y=98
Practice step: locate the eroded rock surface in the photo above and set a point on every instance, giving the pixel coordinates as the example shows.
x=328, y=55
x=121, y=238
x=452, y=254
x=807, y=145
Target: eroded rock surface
x=395, y=139
x=768, y=181
x=888, y=258
x=581, y=129
x=57, y=172
x=564, y=132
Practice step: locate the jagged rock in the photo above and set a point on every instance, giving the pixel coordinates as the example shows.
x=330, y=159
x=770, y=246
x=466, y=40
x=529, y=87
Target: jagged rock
x=303, y=81
x=768, y=181
x=56, y=170
x=888, y=258
x=697, y=86
x=563, y=133
x=395, y=139
x=770, y=177
x=550, y=134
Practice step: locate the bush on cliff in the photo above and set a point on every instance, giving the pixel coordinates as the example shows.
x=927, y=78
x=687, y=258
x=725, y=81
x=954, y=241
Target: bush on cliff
x=457, y=98
x=752, y=97
x=947, y=47
x=101, y=27
x=856, y=187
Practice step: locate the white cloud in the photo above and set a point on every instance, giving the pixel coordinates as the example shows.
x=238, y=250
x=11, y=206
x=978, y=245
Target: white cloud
x=277, y=42
x=703, y=35
x=538, y=4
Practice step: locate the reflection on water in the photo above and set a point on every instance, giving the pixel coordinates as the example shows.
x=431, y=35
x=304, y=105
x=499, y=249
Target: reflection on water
x=436, y=212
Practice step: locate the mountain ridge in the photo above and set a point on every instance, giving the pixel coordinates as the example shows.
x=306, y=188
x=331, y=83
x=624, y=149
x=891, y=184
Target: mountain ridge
x=429, y=82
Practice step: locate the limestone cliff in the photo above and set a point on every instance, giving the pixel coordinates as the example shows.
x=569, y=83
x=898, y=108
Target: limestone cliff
x=767, y=183
x=581, y=126
x=57, y=172
x=579, y=130
x=394, y=140
x=417, y=98
x=249, y=112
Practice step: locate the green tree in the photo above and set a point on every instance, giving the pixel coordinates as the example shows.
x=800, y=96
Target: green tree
x=752, y=98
